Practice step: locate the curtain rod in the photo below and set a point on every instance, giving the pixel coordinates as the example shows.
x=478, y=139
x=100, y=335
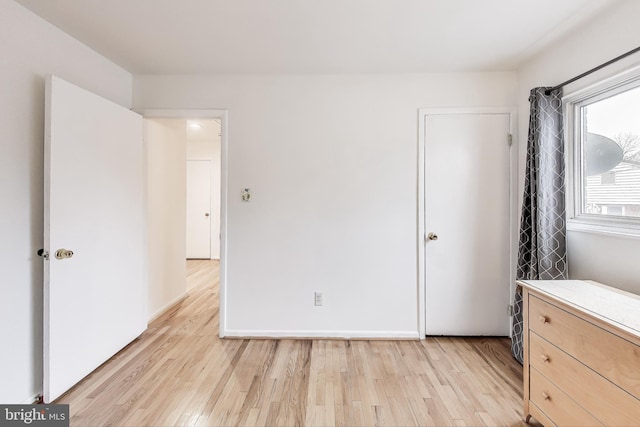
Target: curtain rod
x=593, y=70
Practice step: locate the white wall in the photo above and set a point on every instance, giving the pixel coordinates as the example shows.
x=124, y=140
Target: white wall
x=210, y=150
x=611, y=260
x=31, y=49
x=332, y=163
x=166, y=213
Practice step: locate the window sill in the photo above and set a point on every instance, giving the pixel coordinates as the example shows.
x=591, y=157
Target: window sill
x=606, y=229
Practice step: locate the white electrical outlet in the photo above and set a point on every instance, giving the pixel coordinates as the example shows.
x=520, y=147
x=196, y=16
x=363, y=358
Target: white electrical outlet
x=317, y=298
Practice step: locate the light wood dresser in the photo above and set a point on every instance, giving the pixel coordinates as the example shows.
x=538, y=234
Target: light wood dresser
x=581, y=353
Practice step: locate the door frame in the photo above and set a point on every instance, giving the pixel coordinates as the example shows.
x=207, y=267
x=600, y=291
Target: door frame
x=222, y=115
x=513, y=197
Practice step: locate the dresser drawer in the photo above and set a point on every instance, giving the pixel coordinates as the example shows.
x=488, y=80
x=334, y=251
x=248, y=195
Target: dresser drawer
x=614, y=358
x=604, y=400
x=556, y=404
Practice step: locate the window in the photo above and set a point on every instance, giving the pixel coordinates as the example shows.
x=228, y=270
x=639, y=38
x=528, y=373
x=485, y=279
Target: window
x=603, y=125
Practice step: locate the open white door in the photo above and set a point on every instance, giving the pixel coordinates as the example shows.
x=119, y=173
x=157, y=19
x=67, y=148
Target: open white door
x=95, y=299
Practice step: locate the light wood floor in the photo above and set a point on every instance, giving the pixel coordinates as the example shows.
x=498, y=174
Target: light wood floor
x=180, y=373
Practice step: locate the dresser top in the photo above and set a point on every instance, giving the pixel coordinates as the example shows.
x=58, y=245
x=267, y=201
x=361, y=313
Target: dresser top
x=620, y=308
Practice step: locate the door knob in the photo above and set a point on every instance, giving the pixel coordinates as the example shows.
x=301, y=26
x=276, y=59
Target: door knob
x=63, y=253
x=432, y=236
x=207, y=214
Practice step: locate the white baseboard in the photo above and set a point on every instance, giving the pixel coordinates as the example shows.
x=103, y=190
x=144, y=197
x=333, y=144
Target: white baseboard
x=358, y=335
x=166, y=307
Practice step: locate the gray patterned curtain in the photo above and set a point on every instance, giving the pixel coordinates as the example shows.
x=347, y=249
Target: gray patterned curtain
x=542, y=250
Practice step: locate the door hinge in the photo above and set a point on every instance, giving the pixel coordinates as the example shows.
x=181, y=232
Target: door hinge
x=510, y=310
x=509, y=139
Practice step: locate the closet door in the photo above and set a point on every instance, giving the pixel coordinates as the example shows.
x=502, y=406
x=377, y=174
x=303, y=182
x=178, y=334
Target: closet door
x=199, y=209
x=467, y=223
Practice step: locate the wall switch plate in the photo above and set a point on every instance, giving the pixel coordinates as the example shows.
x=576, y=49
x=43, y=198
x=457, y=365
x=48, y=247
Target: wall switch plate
x=246, y=194
x=317, y=298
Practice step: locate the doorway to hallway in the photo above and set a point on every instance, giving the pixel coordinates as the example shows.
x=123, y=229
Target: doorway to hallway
x=199, y=136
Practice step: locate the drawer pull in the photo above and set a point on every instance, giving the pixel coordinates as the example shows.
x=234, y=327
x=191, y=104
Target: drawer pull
x=545, y=396
x=544, y=319
x=544, y=358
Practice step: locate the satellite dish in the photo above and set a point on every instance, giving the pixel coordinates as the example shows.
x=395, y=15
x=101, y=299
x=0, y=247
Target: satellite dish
x=601, y=154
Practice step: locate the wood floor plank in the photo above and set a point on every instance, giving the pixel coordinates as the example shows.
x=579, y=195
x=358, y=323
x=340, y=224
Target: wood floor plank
x=179, y=373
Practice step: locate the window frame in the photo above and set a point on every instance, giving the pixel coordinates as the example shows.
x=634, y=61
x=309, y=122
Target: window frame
x=574, y=127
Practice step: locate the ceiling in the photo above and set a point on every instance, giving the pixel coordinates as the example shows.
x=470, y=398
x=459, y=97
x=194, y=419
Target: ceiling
x=202, y=130
x=316, y=36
